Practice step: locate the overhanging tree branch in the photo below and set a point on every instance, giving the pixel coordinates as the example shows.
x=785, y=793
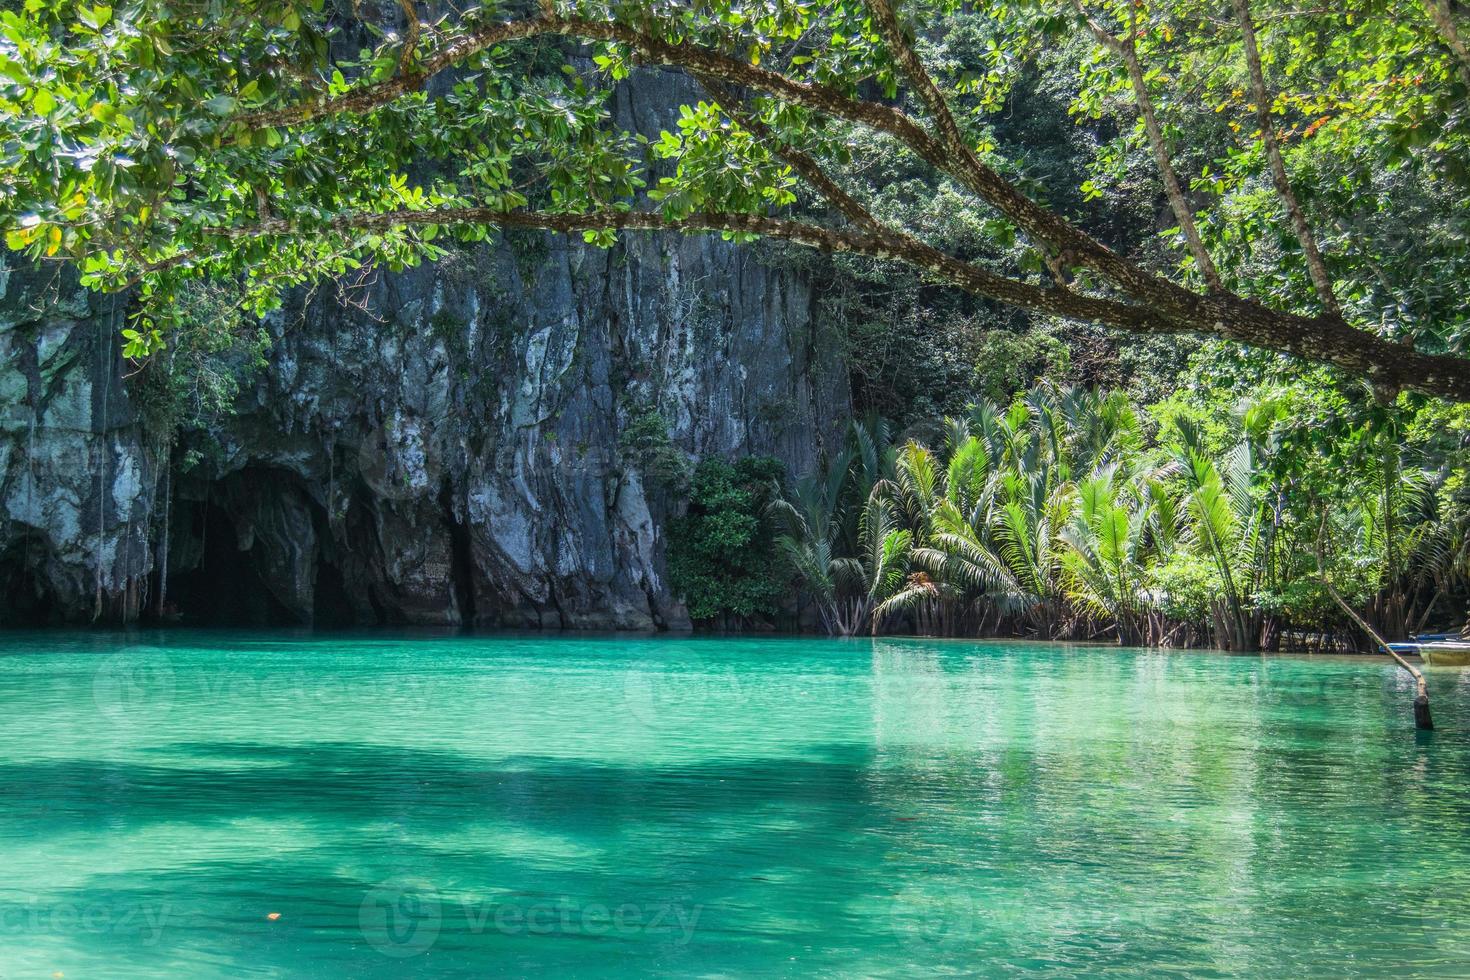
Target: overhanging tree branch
x=1042, y=225
x=1032, y=218
x=1139, y=299
x=1326, y=339
x=1057, y=253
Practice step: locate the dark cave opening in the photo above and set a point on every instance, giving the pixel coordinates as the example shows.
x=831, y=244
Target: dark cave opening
x=225, y=586
x=331, y=606
x=27, y=601
x=461, y=560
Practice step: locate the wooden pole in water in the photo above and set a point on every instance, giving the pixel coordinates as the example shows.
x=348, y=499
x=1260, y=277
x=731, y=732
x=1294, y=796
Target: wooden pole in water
x=1422, y=718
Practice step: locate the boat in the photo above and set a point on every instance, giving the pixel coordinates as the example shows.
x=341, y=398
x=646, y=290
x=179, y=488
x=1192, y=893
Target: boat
x=1438, y=650
x=1445, y=653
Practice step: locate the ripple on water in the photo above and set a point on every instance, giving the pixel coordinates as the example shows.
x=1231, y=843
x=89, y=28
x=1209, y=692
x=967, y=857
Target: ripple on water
x=463, y=806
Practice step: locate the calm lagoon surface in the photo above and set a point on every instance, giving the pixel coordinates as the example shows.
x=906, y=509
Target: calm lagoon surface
x=227, y=804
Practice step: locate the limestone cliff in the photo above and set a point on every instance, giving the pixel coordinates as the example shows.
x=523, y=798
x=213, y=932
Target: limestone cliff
x=444, y=445
x=76, y=479
x=437, y=446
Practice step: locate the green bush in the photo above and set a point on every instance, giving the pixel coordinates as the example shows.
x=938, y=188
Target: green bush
x=213, y=354
x=645, y=442
x=1183, y=586
x=722, y=557
x=1007, y=363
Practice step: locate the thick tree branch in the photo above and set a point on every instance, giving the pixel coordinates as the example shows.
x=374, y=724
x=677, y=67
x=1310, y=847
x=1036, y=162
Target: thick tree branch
x=885, y=18
x=1126, y=49
x=1031, y=217
x=829, y=189
x=1156, y=304
x=970, y=170
x=411, y=40
x=1316, y=268
x=1326, y=339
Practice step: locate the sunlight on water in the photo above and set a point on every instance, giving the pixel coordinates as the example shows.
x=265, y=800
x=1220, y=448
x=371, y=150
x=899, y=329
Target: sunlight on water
x=463, y=807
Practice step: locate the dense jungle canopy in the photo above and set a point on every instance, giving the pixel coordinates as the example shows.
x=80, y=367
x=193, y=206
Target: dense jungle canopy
x=1247, y=219
x=1310, y=160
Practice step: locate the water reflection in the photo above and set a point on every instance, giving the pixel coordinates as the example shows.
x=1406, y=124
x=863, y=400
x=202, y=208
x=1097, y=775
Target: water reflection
x=458, y=807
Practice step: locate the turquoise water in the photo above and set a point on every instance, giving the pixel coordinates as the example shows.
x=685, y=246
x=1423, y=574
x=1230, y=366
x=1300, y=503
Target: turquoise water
x=464, y=807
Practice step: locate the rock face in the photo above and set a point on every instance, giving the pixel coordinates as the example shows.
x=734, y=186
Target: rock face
x=76, y=476
x=447, y=445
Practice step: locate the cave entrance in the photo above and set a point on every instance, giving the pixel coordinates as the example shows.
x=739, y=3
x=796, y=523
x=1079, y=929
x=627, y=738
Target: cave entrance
x=225, y=586
x=461, y=558
x=331, y=605
x=24, y=599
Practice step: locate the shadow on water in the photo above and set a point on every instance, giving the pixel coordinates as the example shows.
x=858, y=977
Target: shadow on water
x=523, y=863
x=548, y=840
x=359, y=782
x=890, y=815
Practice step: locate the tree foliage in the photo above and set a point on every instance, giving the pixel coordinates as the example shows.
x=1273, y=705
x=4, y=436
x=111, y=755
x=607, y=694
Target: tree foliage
x=269, y=142
x=1077, y=514
x=721, y=554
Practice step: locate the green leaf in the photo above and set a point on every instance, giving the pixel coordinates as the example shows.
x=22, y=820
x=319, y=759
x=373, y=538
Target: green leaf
x=95, y=17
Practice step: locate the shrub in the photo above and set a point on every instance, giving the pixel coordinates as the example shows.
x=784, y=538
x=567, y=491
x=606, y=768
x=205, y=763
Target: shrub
x=722, y=556
x=645, y=442
x=1007, y=364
